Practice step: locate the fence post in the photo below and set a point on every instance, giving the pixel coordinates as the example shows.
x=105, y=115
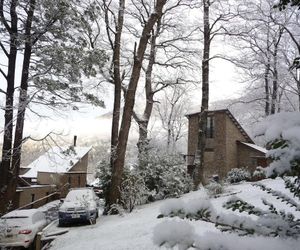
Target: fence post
x=38, y=242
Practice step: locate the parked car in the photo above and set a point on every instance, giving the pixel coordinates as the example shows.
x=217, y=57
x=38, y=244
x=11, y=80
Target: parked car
x=19, y=227
x=80, y=204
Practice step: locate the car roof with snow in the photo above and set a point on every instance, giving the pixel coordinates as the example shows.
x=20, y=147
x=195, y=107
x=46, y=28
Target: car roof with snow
x=21, y=213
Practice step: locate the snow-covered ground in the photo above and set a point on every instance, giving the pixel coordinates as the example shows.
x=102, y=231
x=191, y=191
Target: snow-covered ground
x=135, y=231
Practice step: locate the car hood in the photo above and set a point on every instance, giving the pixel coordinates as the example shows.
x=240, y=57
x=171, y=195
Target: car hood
x=76, y=204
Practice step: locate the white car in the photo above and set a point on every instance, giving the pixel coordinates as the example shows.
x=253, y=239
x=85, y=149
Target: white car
x=19, y=227
x=80, y=204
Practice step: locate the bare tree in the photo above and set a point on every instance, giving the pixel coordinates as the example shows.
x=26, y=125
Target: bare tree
x=166, y=51
x=139, y=53
x=264, y=54
x=217, y=17
x=114, y=34
x=172, y=107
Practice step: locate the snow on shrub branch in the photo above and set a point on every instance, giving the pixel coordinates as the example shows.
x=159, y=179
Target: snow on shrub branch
x=282, y=132
x=269, y=223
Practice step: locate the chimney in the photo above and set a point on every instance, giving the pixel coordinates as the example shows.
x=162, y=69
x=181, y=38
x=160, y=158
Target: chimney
x=75, y=140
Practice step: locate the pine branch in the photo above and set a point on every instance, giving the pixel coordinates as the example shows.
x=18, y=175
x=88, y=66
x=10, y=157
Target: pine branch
x=279, y=195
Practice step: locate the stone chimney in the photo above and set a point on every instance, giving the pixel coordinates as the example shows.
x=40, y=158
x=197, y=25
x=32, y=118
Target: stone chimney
x=75, y=140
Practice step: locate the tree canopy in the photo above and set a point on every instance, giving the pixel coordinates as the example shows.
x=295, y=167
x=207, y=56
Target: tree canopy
x=283, y=3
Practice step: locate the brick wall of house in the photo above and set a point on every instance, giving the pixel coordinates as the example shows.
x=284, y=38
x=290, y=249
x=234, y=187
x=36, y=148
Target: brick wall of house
x=81, y=165
x=249, y=157
x=63, y=181
x=215, y=154
x=233, y=134
x=33, y=193
x=192, y=138
x=219, y=142
x=221, y=153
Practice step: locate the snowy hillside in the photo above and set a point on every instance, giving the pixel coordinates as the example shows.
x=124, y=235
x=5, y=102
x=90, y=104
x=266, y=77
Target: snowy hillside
x=135, y=231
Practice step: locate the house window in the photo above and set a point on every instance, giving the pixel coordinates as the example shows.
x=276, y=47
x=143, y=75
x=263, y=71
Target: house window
x=32, y=197
x=69, y=179
x=210, y=127
x=253, y=161
x=47, y=199
x=78, y=180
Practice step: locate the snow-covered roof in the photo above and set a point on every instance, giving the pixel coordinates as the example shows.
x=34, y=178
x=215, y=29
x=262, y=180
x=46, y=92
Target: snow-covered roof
x=197, y=109
x=56, y=160
x=259, y=148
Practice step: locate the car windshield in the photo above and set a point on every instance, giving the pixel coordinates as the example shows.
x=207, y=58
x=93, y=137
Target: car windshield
x=75, y=195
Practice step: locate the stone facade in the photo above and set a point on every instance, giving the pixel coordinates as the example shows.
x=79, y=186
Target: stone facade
x=222, y=150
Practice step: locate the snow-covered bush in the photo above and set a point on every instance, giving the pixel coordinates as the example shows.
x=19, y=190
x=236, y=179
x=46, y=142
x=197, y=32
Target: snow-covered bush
x=282, y=132
x=236, y=175
x=272, y=222
x=165, y=175
x=258, y=174
x=116, y=209
x=183, y=236
x=103, y=174
x=133, y=191
x=214, y=188
x=293, y=184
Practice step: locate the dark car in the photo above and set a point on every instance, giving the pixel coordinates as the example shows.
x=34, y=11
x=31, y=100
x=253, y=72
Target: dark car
x=80, y=205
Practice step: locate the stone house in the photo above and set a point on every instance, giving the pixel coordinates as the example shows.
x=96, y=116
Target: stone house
x=52, y=175
x=227, y=144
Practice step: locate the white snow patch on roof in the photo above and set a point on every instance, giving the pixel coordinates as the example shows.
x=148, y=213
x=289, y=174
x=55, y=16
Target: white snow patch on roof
x=56, y=160
x=194, y=110
x=259, y=148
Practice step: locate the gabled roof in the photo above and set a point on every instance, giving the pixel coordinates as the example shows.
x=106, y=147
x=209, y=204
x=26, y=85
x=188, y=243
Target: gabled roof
x=56, y=160
x=195, y=111
x=256, y=147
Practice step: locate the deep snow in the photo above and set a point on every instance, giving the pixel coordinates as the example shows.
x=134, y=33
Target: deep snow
x=135, y=231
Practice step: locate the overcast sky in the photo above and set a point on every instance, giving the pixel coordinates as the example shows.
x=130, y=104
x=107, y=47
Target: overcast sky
x=87, y=122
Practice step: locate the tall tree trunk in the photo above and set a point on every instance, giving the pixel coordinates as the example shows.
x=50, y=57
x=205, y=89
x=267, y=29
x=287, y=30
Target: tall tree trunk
x=117, y=81
x=267, y=73
x=298, y=87
x=274, y=100
x=143, y=141
x=117, y=171
x=116, y=78
x=199, y=158
x=267, y=89
x=18, y=139
x=5, y=171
